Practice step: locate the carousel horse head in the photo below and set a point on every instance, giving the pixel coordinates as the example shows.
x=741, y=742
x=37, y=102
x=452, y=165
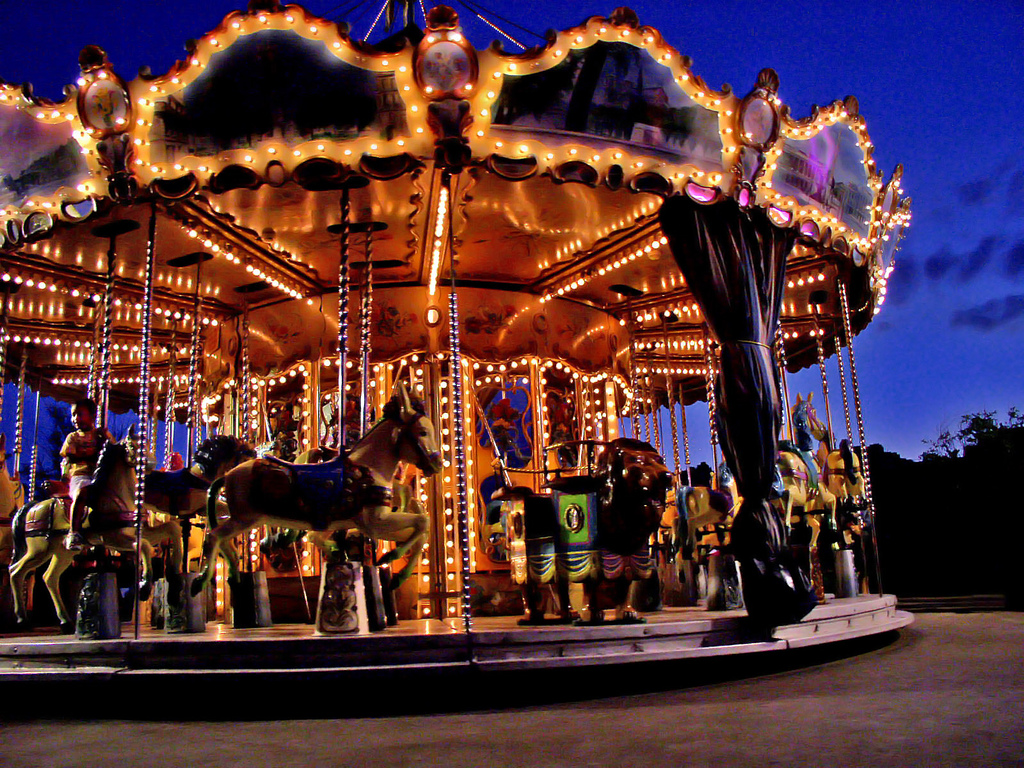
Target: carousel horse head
x=416, y=439
x=221, y=453
x=114, y=477
x=633, y=500
x=806, y=424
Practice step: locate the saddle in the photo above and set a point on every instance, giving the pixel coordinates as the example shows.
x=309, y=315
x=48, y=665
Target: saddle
x=175, y=486
x=52, y=520
x=338, y=484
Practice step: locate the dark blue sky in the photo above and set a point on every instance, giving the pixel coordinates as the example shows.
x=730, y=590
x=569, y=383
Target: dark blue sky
x=939, y=83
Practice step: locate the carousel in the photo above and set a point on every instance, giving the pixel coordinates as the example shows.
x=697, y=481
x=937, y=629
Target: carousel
x=409, y=333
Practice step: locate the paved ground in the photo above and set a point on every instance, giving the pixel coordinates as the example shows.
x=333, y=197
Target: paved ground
x=948, y=691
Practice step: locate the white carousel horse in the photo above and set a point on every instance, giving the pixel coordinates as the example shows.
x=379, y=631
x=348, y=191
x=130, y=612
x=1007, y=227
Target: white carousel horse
x=12, y=497
x=353, y=491
x=40, y=531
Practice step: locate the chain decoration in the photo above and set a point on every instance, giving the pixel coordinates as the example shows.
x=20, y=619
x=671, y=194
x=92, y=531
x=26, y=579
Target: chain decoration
x=846, y=401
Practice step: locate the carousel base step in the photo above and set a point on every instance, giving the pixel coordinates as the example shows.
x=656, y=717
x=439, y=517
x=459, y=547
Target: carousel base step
x=953, y=604
x=431, y=649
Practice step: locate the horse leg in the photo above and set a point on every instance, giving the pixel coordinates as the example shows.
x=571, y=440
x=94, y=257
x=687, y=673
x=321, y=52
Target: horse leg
x=218, y=542
x=388, y=526
x=34, y=557
x=58, y=564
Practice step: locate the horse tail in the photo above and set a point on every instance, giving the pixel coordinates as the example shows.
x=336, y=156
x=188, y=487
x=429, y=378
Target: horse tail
x=211, y=501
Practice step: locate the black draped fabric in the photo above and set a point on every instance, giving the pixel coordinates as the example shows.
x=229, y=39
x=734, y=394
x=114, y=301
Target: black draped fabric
x=734, y=261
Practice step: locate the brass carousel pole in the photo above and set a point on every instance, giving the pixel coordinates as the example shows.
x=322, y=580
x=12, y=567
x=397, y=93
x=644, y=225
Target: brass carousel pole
x=365, y=321
x=110, y=231
x=3, y=342
x=142, y=450
x=342, y=229
x=848, y=333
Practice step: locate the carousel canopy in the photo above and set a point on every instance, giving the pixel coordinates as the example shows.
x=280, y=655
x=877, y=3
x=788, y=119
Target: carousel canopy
x=550, y=166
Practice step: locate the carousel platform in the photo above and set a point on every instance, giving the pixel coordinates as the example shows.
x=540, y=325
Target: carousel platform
x=429, y=648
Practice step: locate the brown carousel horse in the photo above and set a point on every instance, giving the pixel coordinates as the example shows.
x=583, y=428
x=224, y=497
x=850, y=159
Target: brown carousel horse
x=353, y=491
x=12, y=496
x=182, y=493
x=39, y=530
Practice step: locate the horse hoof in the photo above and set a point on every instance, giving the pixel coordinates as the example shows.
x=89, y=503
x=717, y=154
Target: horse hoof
x=22, y=625
x=67, y=627
x=144, y=589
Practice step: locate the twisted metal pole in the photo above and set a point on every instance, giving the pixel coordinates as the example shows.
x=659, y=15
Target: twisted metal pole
x=19, y=414
x=709, y=377
x=365, y=343
x=193, y=373
x=780, y=360
x=169, y=419
x=246, y=388
x=865, y=468
x=343, y=291
x=142, y=451
x=459, y=416
x=108, y=329
x=824, y=390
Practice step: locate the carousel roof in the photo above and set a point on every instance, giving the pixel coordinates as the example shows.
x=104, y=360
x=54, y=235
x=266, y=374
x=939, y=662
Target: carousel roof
x=553, y=163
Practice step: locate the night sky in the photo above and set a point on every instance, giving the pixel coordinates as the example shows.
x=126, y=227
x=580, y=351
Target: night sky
x=939, y=84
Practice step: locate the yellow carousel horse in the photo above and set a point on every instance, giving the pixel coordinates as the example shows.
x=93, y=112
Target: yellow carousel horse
x=805, y=486
x=39, y=530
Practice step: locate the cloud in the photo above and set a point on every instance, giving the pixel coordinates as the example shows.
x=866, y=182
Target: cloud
x=976, y=192
x=990, y=315
x=1014, y=265
x=939, y=264
x=977, y=259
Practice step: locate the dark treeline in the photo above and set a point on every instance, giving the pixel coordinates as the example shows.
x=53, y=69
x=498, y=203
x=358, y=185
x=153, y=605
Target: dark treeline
x=952, y=522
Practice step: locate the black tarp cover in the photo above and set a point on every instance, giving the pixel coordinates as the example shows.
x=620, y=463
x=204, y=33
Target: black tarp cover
x=734, y=261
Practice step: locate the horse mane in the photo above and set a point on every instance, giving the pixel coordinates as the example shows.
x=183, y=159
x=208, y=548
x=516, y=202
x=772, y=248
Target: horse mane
x=105, y=463
x=848, y=467
x=393, y=407
x=215, y=450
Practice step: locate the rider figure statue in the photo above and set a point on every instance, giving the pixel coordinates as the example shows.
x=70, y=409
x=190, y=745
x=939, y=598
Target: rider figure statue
x=81, y=451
